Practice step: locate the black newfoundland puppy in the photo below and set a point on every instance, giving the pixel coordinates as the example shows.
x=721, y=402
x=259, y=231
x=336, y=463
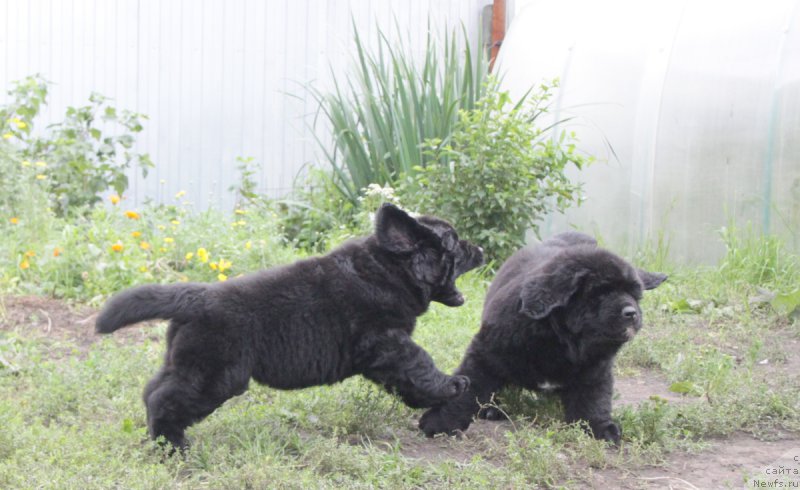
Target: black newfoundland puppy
x=317, y=321
x=554, y=318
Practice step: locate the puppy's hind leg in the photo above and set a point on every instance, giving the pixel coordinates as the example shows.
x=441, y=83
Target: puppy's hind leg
x=203, y=367
x=395, y=361
x=175, y=401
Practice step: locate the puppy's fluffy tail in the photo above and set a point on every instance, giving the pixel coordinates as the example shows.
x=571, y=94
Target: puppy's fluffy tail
x=151, y=301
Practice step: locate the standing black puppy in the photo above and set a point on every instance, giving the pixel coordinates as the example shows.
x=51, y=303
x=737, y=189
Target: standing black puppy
x=317, y=321
x=554, y=317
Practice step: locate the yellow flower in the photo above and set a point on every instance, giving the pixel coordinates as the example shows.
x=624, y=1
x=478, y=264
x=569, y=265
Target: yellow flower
x=162, y=227
x=30, y=253
x=143, y=268
x=162, y=249
x=240, y=211
x=20, y=124
x=180, y=194
x=144, y=246
x=7, y=136
x=25, y=163
x=213, y=266
x=40, y=177
x=202, y=254
x=224, y=265
x=169, y=240
x=24, y=264
x=222, y=277
x=132, y=214
x=136, y=234
x=117, y=247
x=175, y=222
x=14, y=221
x=248, y=245
x=189, y=256
x=56, y=252
x=114, y=199
x=41, y=164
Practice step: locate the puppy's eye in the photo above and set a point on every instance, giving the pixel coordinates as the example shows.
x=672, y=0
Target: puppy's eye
x=629, y=312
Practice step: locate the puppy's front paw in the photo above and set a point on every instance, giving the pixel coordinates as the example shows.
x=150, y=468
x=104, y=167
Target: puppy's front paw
x=434, y=421
x=609, y=432
x=455, y=386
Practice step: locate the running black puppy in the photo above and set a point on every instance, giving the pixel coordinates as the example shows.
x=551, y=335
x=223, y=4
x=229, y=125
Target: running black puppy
x=554, y=317
x=314, y=322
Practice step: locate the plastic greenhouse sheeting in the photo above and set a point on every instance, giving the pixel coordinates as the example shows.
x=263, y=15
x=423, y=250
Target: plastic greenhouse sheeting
x=692, y=109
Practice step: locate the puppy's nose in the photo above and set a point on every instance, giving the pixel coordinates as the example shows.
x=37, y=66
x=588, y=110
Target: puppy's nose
x=629, y=312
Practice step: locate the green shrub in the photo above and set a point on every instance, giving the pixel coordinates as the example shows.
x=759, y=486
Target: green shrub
x=75, y=159
x=314, y=212
x=383, y=112
x=499, y=173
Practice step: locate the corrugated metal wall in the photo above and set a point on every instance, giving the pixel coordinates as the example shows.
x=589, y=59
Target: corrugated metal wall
x=218, y=79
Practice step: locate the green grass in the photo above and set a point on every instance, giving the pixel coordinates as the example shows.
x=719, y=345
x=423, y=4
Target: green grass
x=71, y=413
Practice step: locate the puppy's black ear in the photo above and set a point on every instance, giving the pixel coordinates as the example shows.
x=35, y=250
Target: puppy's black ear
x=396, y=231
x=542, y=293
x=450, y=240
x=651, y=280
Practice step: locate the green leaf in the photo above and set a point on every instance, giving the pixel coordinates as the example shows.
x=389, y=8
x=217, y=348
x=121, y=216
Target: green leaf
x=681, y=306
x=126, y=141
x=127, y=426
x=787, y=304
x=685, y=388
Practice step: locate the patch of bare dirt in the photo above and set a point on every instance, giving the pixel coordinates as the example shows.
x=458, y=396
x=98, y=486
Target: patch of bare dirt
x=638, y=389
x=55, y=323
x=730, y=463
x=480, y=439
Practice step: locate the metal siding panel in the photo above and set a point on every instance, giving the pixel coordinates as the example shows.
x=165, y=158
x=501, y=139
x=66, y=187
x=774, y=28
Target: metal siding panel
x=4, y=47
x=209, y=157
x=294, y=61
x=252, y=87
x=191, y=113
x=17, y=34
x=149, y=48
x=169, y=104
x=274, y=148
x=232, y=117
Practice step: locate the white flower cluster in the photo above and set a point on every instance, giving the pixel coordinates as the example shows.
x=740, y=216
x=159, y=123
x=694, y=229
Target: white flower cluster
x=376, y=190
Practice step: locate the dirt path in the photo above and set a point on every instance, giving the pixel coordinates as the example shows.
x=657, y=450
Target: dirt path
x=59, y=326
x=729, y=463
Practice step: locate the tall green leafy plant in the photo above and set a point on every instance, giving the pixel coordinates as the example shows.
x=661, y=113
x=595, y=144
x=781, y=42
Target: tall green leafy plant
x=502, y=171
x=382, y=113
x=77, y=160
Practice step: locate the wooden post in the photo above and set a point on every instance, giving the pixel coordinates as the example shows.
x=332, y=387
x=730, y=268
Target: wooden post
x=498, y=29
